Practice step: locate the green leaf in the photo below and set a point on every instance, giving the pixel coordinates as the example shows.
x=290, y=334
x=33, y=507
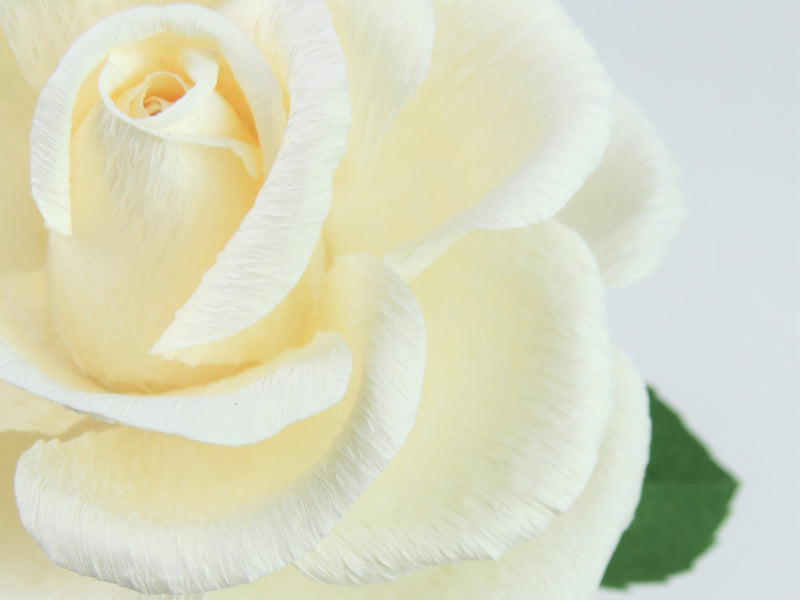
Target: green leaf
x=685, y=498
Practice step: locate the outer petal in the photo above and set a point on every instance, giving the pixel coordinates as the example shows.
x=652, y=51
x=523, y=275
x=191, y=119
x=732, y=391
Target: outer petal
x=516, y=401
x=240, y=409
x=268, y=254
x=22, y=233
x=565, y=563
x=513, y=117
x=25, y=572
x=57, y=23
x=631, y=208
x=21, y=411
x=167, y=515
x=387, y=46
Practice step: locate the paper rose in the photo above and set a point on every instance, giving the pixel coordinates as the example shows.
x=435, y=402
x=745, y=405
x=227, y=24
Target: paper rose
x=329, y=276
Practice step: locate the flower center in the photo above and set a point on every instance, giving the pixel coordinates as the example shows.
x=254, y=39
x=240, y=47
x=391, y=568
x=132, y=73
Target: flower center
x=157, y=93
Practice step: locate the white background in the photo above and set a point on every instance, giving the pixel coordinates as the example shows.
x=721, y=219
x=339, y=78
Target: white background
x=717, y=328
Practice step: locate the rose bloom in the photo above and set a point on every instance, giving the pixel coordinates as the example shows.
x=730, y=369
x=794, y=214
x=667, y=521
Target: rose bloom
x=306, y=299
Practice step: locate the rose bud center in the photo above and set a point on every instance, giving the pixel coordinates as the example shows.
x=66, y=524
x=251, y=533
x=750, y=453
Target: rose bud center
x=165, y=161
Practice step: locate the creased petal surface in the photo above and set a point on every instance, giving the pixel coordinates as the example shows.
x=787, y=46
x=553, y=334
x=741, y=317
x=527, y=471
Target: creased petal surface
x=631, y=208
x=239, y=409
x=269, y=252
x=57, y=23
x=388, y=48
x=515, y=404
x=565, y=563
x=25, y=572
x=22, y=411
x=512, y=118
x=22, y=235
x=163, y=514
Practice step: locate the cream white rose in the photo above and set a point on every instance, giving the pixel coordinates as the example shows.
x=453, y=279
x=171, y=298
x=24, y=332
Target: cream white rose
x=305, y=299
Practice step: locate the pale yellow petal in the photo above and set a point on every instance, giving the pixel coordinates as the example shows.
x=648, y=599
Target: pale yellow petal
x=631, y=208
x=387, y=45
x=514, y=115
x=242, y=408
x=56, y=23
x=565, y=563
x=69, y=90
x=515, y=404
x=268, y=254
x=22, y=411
x=25, y=571
x=22, y=233
x=140, y=208
x=163, y=514
x=150, y=216
x=200, y=115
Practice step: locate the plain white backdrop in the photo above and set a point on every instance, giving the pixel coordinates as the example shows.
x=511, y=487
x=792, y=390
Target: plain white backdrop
x=717, y=328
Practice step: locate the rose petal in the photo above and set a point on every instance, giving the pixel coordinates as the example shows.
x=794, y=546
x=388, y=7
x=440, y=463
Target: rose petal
x=200, y=117
x=631, y=208
x=387, y=45
x=268, y=254
x=22, y=234
x=512, y=118
x=515, y=405
x=150, y=216
x=25, y=571
x=53, y=120
x=21, y=411
x=565, y=563
x=58, y=23
x=240, y=409
x=164, y=514
x=154, y=201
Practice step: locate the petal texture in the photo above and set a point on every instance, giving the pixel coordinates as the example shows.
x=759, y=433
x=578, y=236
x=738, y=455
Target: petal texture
x=240, y=409
x=388, y=48
x=22, y=411
x=512, y=118
x=25, y=571
x=57, y=23
x=631, y=208
x=64, y=91
x=149, y=217
x=565, y=563
x=163, y=514
x=516, y=401
x=271, y=249
x=22, y=233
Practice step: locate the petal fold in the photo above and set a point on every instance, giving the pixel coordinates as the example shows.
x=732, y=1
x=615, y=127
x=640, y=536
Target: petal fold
x=23, y=238
x=22, y=411
x=565, y=563
x=163, y=514
x=25, y=572
x=200, y=117
x=515, y=404
x=388, y=48
x=631, y=208
x=273, y=245
x=57, y=24
x=53, y=119
x=150, y=216
x=240, y=409
x=514, y=115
